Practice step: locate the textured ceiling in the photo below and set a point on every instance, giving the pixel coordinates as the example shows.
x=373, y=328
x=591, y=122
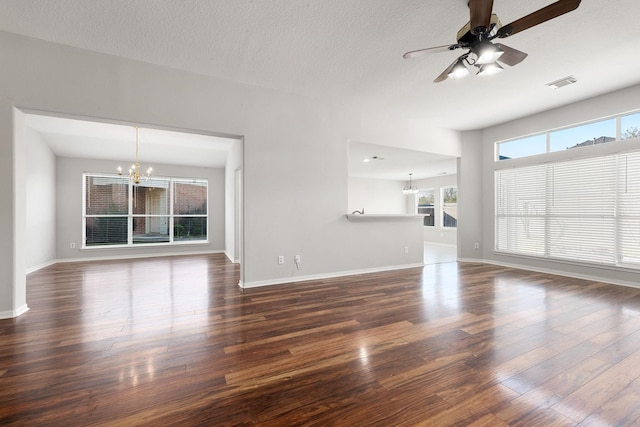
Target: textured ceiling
x=107, y=141
x=382, y=162
x=351, y=50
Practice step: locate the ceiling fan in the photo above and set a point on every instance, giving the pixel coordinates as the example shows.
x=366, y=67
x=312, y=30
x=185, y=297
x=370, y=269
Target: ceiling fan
x=477, y=36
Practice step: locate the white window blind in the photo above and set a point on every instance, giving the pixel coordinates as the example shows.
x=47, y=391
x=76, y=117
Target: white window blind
x=629, y=208
x=585, y=210
x=155, y=211
x=520, y=210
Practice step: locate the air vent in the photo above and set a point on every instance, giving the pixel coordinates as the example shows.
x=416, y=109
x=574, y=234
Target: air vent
x=562, y=82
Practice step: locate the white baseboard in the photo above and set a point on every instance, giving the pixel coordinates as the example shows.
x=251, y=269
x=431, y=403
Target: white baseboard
x=231, y=258
x=478, y=261
x=136, y=256
x=564, y=273
x=10, y=314
x=447, y=245
x=281, y=281
x=40, y=267
x=119, y=257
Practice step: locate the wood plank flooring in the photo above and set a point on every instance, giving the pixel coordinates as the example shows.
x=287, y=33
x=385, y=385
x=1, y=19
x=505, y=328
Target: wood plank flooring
x=174, y=341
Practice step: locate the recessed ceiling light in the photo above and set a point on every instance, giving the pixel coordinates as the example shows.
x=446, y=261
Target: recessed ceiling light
x=367, y=160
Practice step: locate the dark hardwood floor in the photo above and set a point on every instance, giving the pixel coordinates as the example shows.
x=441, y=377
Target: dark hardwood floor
x=174, y=341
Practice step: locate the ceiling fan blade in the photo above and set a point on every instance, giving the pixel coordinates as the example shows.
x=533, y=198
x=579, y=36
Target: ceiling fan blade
x=480, y=11
x=510, y=56
x=430, y=50
x=445, y=74
x=538, y=17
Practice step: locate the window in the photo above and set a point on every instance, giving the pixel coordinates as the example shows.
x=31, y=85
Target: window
x=583, y=135
x=190, y=210
x=522, y=147
x=150, y=211
x=630, y=126
x=426, y=199
x=450, y=206
x=582, y=210
x=106, y=210
x=158, y=210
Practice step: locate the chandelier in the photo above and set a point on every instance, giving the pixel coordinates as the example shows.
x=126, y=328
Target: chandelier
x=134, y=170
x=410, y=189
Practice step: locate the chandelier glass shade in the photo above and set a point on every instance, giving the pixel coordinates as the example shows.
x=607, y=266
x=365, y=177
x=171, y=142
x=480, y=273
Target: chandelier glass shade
x=134, y=170
x=410, y=189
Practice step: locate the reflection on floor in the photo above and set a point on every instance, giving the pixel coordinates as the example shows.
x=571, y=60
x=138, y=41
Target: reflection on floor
x=435, y=253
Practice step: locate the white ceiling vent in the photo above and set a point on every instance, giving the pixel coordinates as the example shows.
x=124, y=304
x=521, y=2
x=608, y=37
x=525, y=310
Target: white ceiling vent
x=565, y=81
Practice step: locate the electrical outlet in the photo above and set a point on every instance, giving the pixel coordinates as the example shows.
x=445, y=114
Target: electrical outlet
x=281, y=259
x=72, y=245
x=406, y=249
x=476, y=246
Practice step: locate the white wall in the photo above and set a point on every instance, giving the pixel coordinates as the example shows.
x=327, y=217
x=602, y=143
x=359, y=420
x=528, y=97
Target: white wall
x=41, y=202
x=13, y=213
x=69, y=210
x=377, y=196
x=395, y=130
x=591, y=109
x=295, y=156
x=471, y=201
x=233, y=190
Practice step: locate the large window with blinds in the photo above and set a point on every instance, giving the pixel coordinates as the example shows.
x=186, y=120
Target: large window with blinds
x=585, y=210
x=155, y=211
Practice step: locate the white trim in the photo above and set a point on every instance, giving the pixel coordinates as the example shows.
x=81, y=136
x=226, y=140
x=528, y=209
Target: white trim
x=118, y=257
x=326, y=275
x=131, y=216
x=383, y=217
x=557, y=273
x=472, y=260
x=10, y=314
x=40, y=267
x=230, y=257
x=448, y=245
x=144, y=245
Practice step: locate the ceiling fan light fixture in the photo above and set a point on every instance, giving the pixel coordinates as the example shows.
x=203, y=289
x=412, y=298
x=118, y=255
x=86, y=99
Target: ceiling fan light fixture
x=459, y=70
x=483, y=27
x=487, y=53
x=490, y=69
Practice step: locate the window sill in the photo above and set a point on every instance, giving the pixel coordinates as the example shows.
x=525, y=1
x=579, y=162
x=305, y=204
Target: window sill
x=146, y=245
